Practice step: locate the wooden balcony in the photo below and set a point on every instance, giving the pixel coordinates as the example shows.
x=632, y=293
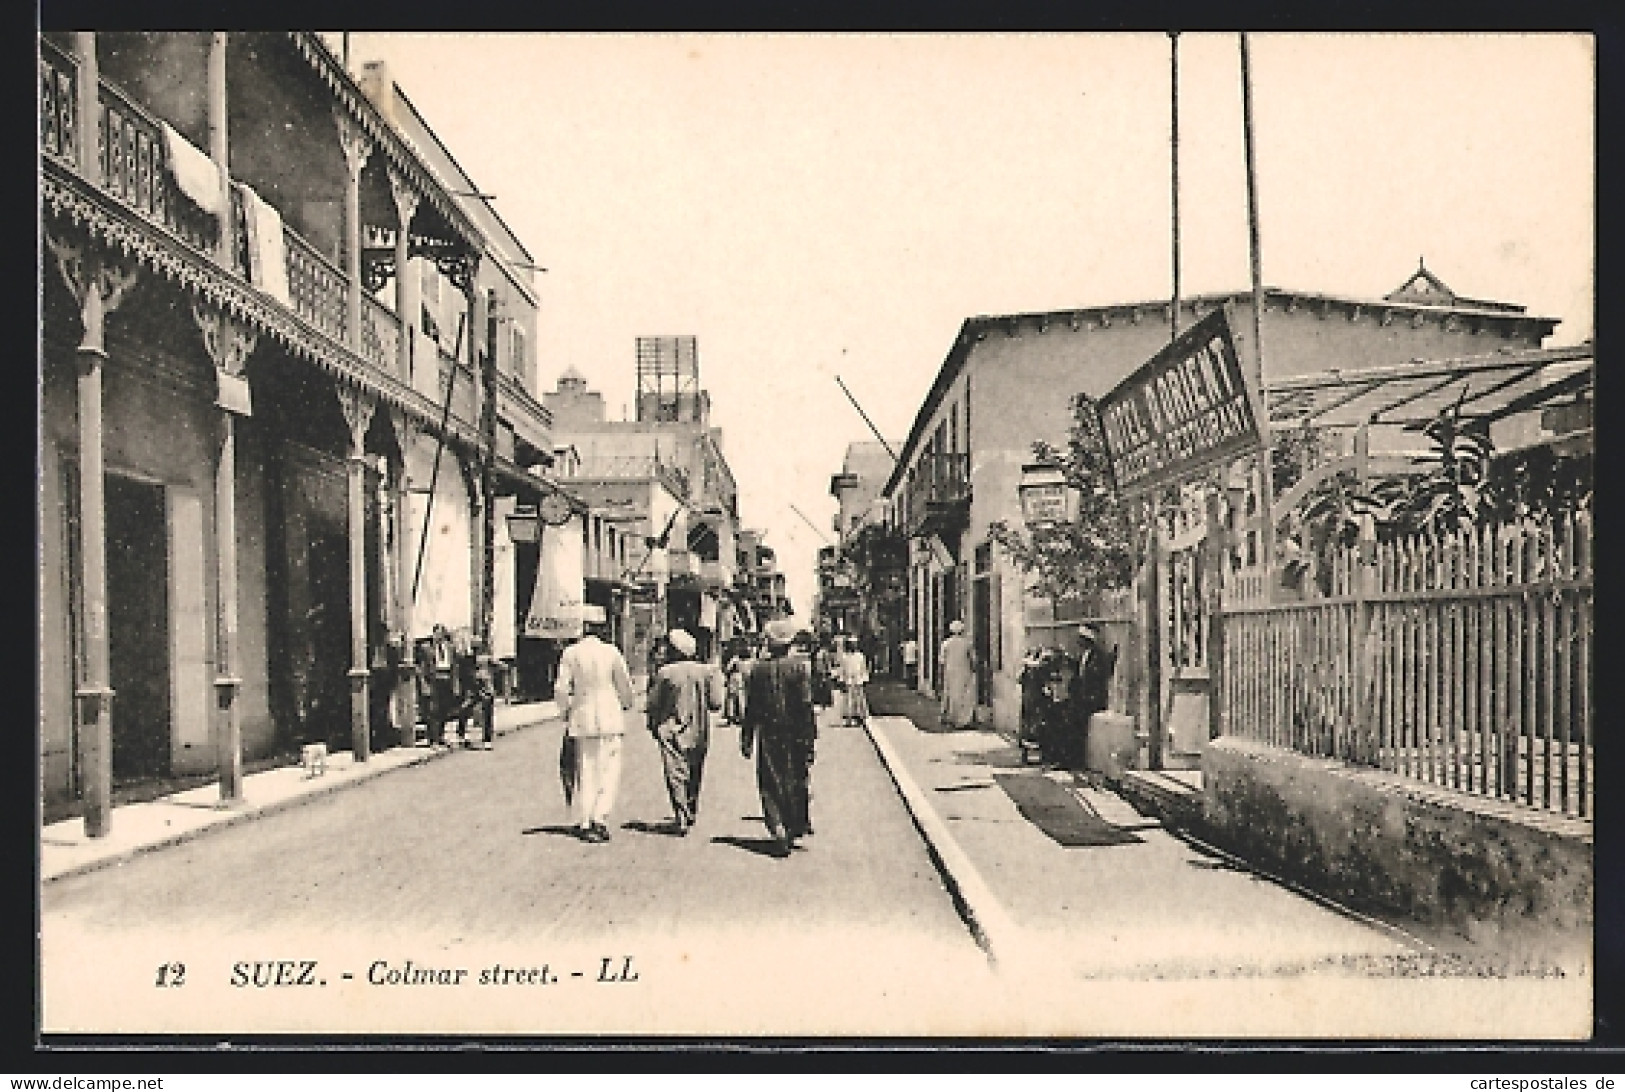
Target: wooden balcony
x=381, y=337
x=938, y=497
x=131, y=171
x=317, y=288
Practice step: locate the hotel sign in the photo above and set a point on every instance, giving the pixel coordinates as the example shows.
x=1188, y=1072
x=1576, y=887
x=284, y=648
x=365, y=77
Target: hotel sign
x=1183, y=409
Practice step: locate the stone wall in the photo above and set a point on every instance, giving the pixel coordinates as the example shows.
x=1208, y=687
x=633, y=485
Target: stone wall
x=1371, y=838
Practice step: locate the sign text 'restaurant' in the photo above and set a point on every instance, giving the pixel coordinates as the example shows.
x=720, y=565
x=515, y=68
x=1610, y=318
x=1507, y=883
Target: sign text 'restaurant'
x=1184, y=408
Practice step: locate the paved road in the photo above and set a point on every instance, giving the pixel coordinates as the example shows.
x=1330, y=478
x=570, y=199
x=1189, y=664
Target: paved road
x=467, y=863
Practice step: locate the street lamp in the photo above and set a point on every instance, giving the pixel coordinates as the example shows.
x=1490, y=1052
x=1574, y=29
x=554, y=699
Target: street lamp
x=1047, y=498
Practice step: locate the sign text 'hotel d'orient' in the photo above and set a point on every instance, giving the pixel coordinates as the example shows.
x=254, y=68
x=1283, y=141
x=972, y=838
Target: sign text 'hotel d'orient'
x=1183, y=409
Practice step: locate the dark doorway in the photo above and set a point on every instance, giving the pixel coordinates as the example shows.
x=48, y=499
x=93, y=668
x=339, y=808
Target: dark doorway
x=138, y=627
x=982, y=638
x=328, y=715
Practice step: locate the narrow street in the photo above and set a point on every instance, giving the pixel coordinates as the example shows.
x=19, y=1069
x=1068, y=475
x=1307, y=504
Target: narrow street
x=468, y=862
x=452, y=898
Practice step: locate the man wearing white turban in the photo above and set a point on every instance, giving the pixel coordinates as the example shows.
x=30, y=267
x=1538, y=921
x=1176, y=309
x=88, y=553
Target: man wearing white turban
x=681, y=700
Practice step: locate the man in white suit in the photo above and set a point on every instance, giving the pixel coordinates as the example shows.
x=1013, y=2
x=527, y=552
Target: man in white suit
x=593, y=692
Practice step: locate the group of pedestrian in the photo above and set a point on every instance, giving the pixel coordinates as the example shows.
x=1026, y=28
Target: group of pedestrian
x=1060, y=692
x=771, y=699
x=454, y=683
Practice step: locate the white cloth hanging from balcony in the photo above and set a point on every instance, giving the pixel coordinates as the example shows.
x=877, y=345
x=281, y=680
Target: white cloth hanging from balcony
x=267, y=247
x=195, y=173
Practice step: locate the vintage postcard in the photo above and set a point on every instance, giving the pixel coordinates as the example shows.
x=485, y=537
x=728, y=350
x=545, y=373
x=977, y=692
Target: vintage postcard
x=998, y=536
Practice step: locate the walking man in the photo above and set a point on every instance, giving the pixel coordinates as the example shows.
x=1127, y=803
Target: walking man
x=440, y=668
x=780, y=722
x=478, y=693
x=593, y=692
x=910, y=654
x=684, y=695
x=854, y=675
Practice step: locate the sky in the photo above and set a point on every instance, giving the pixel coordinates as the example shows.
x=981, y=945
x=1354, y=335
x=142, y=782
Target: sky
x=818, y=205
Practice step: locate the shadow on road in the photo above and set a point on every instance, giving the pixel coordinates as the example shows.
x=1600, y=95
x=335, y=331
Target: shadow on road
x=566, y=830
x=666, y=827
x=765, y=847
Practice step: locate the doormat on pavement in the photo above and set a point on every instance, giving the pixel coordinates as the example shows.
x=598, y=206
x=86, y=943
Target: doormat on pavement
x=1055, y=811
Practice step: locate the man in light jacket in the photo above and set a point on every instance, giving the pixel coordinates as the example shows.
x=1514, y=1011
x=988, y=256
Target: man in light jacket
x=684, y=695
x=593, y=692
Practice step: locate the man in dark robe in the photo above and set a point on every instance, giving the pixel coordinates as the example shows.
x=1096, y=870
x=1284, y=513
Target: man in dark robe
x=781, y=723
x=1090, y=690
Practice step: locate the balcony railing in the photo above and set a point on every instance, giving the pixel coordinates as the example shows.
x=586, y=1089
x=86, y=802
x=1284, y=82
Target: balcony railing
x=132, y=167
x=937, y=481
x=316, y=286
x=381, y=337
x=462, y=395
x=59, y=121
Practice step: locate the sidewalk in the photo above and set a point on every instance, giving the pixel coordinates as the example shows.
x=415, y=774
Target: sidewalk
x=136, y=828
x=1127, y=900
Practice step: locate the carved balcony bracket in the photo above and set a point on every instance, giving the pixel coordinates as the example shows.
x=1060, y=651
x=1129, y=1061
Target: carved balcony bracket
x=407, y=199
x=353, y=142
x=227, y=342
x=377, y=268
x=98, y=286
x=358, y=406
x=459, y=268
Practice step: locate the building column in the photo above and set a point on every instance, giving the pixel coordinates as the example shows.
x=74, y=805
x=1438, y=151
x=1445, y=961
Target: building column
x=357, y=148
x=406, y=287
x=98, y=289
x=399, y=562
x=358, y=408
x=219, y=145
x=229, y=346
x=87, y=108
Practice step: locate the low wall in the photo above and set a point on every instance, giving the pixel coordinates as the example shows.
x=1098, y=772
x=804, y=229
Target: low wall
x=1369, y=837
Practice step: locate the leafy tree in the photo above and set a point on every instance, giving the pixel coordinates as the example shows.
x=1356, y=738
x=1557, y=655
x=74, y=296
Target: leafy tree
x=1094, y=552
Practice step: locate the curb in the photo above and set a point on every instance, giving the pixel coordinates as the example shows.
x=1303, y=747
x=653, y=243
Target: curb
x=230, y=817
x=995, y=932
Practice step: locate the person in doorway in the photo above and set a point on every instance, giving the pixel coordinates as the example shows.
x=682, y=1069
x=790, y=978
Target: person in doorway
x=1090, y=691
x=958, y=678
x=440, y=666
x=593, y=692
x=909, y=653
x=853, y=668
x=684, y=695
x=781, y=725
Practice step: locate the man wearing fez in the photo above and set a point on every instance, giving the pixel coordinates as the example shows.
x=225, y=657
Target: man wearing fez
x=593, y=692
x=781, y=723
x=684, y=695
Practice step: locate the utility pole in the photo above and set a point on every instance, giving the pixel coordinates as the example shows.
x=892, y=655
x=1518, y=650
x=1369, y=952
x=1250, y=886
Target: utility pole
x=488, y=436
x=1266, y=475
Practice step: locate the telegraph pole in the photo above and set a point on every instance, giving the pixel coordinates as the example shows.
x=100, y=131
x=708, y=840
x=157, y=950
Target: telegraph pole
x=1266, y=475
